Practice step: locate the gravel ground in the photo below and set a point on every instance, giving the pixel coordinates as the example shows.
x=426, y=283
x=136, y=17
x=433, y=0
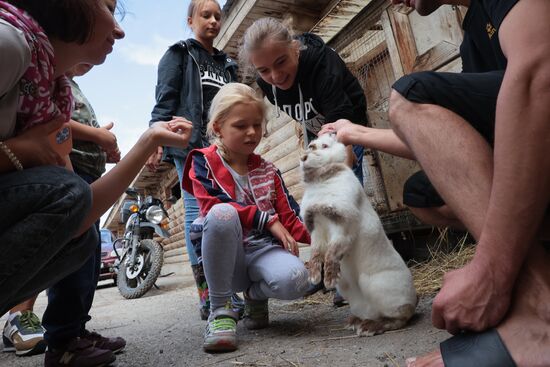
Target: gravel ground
x=163, y=328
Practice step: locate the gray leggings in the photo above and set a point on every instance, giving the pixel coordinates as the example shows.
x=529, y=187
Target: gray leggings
x=268, y=272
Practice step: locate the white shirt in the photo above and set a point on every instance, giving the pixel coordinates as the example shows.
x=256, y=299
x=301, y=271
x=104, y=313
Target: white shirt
x=15, y=58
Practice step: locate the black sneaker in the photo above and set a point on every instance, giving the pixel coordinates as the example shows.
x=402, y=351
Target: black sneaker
x=314, y=288
x=338, y=300
x=78, y=353
x=115, y=344
x=256, y=314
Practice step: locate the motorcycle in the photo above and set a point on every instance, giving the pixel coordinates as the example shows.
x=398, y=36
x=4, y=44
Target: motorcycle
x=140, y=257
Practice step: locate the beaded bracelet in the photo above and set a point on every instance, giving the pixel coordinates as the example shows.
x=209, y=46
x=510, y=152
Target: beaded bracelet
x=11, y=156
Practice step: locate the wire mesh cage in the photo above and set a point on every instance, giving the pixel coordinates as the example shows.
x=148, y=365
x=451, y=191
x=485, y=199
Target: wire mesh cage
x=362, y=46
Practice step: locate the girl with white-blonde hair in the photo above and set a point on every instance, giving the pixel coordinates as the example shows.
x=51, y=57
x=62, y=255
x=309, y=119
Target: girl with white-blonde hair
x=251, y=223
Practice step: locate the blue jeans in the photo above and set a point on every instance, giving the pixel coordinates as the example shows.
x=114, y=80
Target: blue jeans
x=41, y=209
x=191, y=211
x=357, y=168
x=70, y=300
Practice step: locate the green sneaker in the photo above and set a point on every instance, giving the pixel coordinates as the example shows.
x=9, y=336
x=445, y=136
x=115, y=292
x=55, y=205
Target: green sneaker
x=221, y=331
x=24, y=334
x=256, y=314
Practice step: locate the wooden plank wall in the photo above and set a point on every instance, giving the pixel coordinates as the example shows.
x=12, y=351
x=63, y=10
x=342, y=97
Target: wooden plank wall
x=280, y=145
x=176, y=230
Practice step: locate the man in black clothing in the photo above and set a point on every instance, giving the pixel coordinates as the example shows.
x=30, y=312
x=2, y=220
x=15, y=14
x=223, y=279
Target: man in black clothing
x=482, y=138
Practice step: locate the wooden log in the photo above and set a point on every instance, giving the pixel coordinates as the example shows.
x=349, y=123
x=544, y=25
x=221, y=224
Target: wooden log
x=289, y=162
x=178, y=251
x=176, y=230
x=172, y=246
x=292, y=177
x=297, y=192
x=289, y=146
x=177, y=236
x=275, y=119
x=276, y=138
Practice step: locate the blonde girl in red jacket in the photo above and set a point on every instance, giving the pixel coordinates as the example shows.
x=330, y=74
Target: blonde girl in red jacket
x=251, y=223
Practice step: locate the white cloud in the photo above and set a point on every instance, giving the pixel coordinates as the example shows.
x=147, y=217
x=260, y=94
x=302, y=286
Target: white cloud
x=147, y=54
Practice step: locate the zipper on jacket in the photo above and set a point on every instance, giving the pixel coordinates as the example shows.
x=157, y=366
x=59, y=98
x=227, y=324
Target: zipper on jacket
x=200, y=82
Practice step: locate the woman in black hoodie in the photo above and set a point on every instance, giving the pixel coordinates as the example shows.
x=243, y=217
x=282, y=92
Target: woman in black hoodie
x=306, y=79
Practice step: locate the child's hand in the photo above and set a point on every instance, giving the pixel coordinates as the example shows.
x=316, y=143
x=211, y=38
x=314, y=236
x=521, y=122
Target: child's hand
x=154, y=160
x=179, y=124
x=113, y=156
x=106, y=139
x=174, y=133
x=279, y=232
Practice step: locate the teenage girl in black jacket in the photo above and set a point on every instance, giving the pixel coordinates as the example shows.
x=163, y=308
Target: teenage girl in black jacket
x=189, y=75
x=306, y=79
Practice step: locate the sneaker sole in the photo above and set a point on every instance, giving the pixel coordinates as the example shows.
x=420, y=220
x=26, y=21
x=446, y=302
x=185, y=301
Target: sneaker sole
x=8, y=345
x=256, y=326
x=110, y=363
x=118, y=350
x=39, y=348
x=106, y=361
x=220, y=346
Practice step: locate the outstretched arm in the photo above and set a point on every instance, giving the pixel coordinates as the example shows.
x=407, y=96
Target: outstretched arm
x=383, y=140
x=108, y=188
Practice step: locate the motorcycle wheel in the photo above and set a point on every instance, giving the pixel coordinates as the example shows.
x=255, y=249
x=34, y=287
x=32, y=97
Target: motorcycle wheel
x=153, y=258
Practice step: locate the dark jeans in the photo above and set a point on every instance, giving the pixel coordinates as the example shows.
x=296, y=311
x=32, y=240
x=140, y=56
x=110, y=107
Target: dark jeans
x=40, y=211
x=70, y=300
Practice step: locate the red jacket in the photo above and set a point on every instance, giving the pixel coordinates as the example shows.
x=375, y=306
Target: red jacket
x=210, y=182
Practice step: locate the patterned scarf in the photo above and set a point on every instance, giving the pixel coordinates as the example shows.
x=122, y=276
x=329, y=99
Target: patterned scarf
x=41, y=97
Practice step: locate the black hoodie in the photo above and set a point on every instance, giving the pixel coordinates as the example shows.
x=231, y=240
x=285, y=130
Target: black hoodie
x=330, y=91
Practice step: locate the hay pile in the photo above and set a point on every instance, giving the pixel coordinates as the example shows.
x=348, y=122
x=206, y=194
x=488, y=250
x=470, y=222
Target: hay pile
x=428, y=275
x=445, y=255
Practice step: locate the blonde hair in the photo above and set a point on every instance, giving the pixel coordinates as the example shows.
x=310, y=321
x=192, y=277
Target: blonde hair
x=259, y=32
x=195, y=5
x=227, y=97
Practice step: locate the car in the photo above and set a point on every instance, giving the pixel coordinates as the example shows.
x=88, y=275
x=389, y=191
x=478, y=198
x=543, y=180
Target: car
x=108, y=256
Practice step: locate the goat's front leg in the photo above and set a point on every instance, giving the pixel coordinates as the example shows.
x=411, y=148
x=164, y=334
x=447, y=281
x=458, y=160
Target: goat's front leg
x=315, y=266
x=339, y=245
x=332, y=271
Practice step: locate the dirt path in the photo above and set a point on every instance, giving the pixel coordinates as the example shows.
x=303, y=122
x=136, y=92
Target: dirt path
x=163, y=329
